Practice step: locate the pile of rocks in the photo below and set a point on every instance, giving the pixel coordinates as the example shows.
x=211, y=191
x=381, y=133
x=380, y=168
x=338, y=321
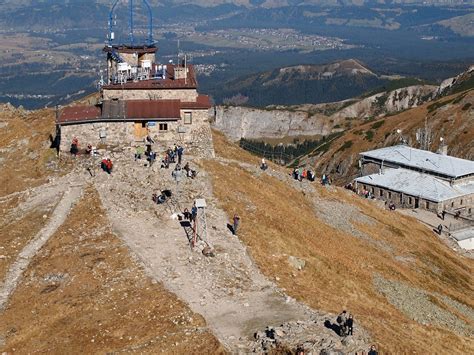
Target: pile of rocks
x=310, y=336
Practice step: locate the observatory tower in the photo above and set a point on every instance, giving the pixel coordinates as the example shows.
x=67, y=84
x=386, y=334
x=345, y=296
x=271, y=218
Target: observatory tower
x=141, y=97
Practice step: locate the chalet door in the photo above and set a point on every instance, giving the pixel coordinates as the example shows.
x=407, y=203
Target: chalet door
x=417, y=202
x=140, y=130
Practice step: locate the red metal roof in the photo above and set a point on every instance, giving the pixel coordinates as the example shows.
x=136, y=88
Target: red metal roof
x=79, y=113
x=153, y=109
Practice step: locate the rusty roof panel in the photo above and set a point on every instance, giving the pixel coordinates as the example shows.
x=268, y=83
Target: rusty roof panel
x=153, y=109
x=79, y=113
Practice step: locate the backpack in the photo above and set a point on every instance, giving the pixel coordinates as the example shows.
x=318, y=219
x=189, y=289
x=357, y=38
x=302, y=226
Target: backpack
x=339, y=319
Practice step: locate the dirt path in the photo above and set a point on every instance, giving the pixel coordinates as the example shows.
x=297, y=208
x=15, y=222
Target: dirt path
x=228, y=290
x=71, y=195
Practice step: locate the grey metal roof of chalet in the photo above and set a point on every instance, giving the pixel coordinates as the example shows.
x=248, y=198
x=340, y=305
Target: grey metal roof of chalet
x=408, y=157
x=463, y=234
x=417, y=184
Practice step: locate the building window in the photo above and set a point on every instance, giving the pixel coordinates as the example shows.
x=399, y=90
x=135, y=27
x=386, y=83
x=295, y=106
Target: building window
x=427, y=205
x=409, y=200
x=143, y=124
x=381, y=193
x=188, y=118
x=460, y=202
x=163, y=126
x=389, y=194
x=452, y=204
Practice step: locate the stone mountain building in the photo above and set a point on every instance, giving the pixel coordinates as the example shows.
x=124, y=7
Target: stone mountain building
x=141, y=97
x=415, y=178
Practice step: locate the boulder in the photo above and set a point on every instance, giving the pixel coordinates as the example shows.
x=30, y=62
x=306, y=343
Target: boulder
x=297, y=263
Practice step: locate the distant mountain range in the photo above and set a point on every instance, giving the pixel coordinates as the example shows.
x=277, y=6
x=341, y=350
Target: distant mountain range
x=302, y=84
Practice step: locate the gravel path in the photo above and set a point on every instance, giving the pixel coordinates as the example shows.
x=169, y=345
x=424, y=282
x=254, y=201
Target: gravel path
x=71, y=195
x=228, y=290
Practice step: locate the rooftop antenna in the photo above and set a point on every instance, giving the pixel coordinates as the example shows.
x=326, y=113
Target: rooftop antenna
x=112, y=23
x=423, y=136
x=178, y=52
x=185, y=70
x=131, y=22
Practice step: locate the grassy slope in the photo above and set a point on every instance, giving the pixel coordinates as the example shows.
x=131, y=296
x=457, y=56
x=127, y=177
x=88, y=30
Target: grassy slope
x=449, y=117
x=278, y=221
x=105, y=303
x=24, y=146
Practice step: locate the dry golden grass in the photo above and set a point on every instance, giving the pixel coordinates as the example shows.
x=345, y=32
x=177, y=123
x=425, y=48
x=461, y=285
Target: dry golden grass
x=21, y=137
x=278, y=221
x=104, y=303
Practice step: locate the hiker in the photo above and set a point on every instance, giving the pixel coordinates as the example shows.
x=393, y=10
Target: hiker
x=391, y=206
x=74, y=146
x=300, y=174
x=373, y=350
x=148, y=142
x=189, y=172
x=180, y=153
x=187, y=215
x=342, y=321
x=158, y=199
x=311, y=175
x=176, y=174
x=440, y=229
x=165, y=163
x=194, y=212
x=139, y=152
x=264, y=165
x=89, y=149
x=304, y=174
x=236, y=224
x=350, y=324
x=457, y=214
x=151, y=158
x=295, y=174
x=443, y=213
x=107, y=165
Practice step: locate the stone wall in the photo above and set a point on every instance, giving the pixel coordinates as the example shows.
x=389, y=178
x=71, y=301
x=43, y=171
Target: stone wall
x=399, y=199
x=195, y=137
x=185, y=95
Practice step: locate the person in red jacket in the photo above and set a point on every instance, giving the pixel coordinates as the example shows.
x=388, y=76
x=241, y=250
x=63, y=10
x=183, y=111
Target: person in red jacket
x=107, y=165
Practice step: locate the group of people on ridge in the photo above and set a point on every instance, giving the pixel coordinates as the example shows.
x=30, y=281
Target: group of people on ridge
x=300, y=174
x=346, y=323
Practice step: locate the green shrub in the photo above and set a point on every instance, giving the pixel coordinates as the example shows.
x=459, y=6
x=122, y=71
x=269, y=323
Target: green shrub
x=377, y=124
x=346, y=145
x=369, y=135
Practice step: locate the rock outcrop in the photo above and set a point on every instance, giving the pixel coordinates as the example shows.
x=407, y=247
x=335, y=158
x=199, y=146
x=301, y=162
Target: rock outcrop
x=252, y=123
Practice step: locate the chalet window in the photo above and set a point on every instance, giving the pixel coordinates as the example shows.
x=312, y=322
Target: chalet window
x=163, y=126
x=409, y=200
x=188, y=118
x=389, y=194
x=143, y=124
x=381, y=193
x=460, y=203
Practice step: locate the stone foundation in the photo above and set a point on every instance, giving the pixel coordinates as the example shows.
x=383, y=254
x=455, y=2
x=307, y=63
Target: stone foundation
x=195, y=137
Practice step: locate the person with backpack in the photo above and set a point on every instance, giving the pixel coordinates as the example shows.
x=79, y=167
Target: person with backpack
x=342, y=322
x=180, y=153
